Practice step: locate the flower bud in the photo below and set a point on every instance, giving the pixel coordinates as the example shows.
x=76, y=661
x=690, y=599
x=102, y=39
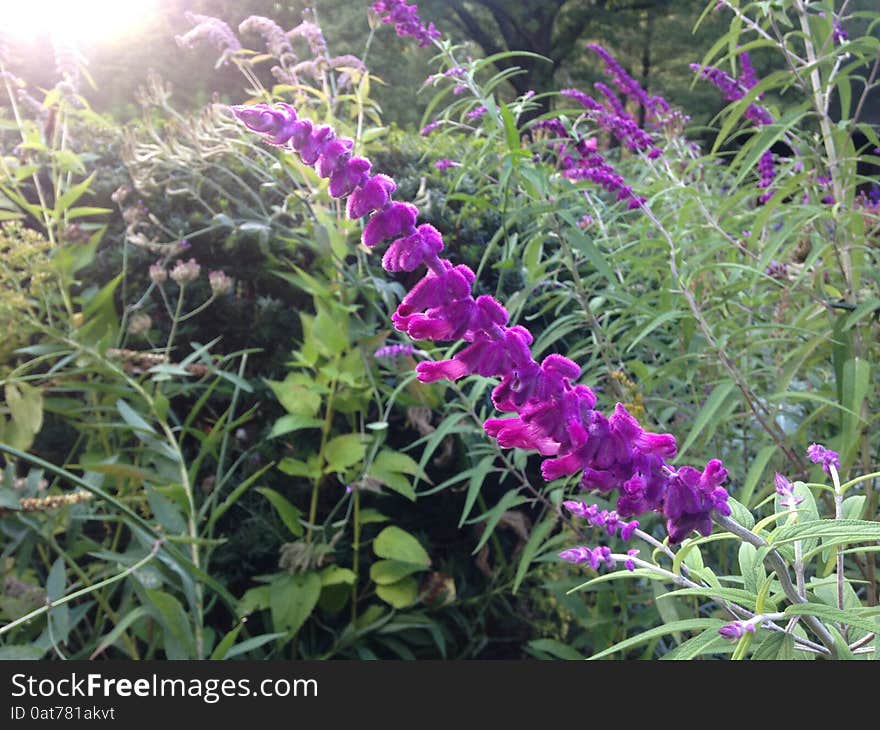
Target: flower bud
x=220, y=283
x=185, y=271
x=158, y=273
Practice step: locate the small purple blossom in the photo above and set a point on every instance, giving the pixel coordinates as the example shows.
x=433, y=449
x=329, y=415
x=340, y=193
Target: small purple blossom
x=430, y=127
x=734, y=90
x=767, y=171
x=629, y=562
x=785, y=490
x=446, y=164
x=777, y=270
x=210, y=29
x=406, y=21
x=595, y=557
x=736, y=629
x=392, y=352
x=477, y=112
x=818, y=454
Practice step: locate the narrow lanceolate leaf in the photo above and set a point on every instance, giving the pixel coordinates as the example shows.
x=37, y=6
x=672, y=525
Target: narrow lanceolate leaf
x=707, y=413
x=830, y=613
x=692, y=624
x=849, y=530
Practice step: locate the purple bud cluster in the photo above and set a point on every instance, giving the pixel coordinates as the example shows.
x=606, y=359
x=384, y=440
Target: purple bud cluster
x=597, y=557
x=735, y=89
x=392, y=352
x=406, y=21
x=550, y=413
x=785, y=490
x=818, y=454
x=210, y=29
x=767, y=173
x=736, y=630
x=656, y=107
x=276, y=40
x=620, y=124
x=609, y=520
x=580, y=160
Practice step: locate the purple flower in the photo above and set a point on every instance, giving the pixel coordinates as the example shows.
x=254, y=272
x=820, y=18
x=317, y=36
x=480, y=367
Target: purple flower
x=594, y=557
x=734, y=90
x=430, y=127
x=767, y=171
x=691, y=497
x=446, y=164
x=785, y=489
x=210, y=29
x=394, y=351
x=276, y=40
x=735, y=629
x=406, y=21
x=826, y=457
x=655, y=106
x=629, y=562
x=551, y=413
x=477, y=112
x=777, y=270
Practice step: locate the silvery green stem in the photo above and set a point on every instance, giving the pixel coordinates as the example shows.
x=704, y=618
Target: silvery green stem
x=83, y=591
x=775, y=561
x=838, y=515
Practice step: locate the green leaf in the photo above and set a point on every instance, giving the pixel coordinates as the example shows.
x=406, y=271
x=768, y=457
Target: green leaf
x=342, y=452
x=856, y=386
x=396, y=544
x=227, y=641
x=133, y=418
x=707, y=413
x=555, y=648
x=255, y=642
x=292, y=599
x=510, y=500
x=334, y=575
x=646, y=636
x=401, y=594
x=72, y=195
x=475, y=484
x=756, y=471
x=117, y=631
x=389, y=468
x=295, y=397
x=177, y=632
x=847, y=530
x=778, y=645
x=21, y=652
x=293, y=422
x=25, y=404
x=289, y=514
x=166, y=512
x=536, y=539
x=385, y=572
x=709, y=642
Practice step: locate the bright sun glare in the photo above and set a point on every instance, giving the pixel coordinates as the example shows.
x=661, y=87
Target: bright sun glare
x=73, y=20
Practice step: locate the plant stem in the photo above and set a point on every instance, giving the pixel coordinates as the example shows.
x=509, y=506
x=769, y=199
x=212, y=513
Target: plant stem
x=83, y=591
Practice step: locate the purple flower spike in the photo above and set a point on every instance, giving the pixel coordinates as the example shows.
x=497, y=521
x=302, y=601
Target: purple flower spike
x=630, y=563
x=550, y=412
x=826, y=457
x=406, y=21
